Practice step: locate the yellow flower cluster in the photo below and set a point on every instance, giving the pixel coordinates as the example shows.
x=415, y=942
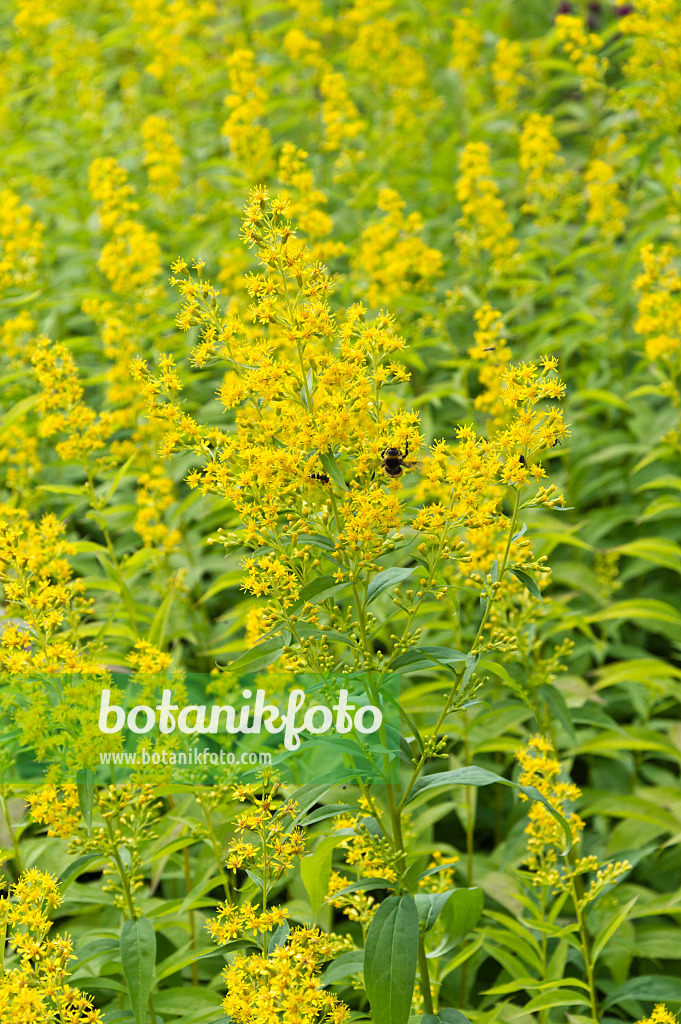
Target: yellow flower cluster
x=492, y=352
x=131, y=258
x=155, y=493
x=379, y=53
x=235, y=922
x=14, y=334
x=20, y=242
x=60, y=402
x=33, y=16
x=306, y=202
x=57, y=807
x=37, y=990
x=443, y=870
x=392, y=258
x=342, y=121
x=660, y=1015
x=606, y=210
x=249, y=140
x=484, y=224
x=654, y=63
x=659, y=303
x=146, y=658
x=579, y=45
x=541, y=769
x=269, y=575
x=265, y=838
x=546, y=182
x=466, y=44
x=162, y=155
x=166, y=31
x=60, y=678
x=507, y=74
x=283, y=988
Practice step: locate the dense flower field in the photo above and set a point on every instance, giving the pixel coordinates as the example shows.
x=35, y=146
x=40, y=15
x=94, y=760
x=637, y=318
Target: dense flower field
x=340, y=362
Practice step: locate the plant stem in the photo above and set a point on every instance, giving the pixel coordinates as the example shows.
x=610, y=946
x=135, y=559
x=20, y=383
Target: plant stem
x=425, y=977
x=586, y=952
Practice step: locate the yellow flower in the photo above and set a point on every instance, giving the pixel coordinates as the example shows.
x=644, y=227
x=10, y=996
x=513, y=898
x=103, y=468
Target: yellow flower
x=484, y=223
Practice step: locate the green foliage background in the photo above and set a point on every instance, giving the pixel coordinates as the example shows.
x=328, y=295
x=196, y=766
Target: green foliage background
x=77, y=83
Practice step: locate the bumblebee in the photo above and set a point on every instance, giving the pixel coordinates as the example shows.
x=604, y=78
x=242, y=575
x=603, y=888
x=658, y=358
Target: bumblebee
x=393, y=463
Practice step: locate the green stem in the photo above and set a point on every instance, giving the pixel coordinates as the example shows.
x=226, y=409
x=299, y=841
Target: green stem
x=12, y=835
x=192, y=921
x=586, y=952
x=425, y=977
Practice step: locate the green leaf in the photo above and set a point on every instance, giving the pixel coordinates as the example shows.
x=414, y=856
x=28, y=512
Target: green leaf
x=429, y=906
x=654, y=549
x=447, y=1016
x=527, y=582
x=320, y=590
x=138, y=956
x=332, y=470
x=474, y=776
x=17, y=411
x=647, y=609
x=460, y=915
x=390, y=957
x=549, y=999
x=258, y=657
x=85, y=783
x=387, y=578
x=648, y=988
x=606, y=933
x=315, y=870
x=344, y=966
x=426, y=657
x=79, y=865
x=363, y=885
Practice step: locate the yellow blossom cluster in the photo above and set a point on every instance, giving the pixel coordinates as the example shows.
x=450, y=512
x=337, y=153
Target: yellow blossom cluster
x=167, y=28
x=60, y=677
x=342, y=121
x=21, y=242
x=146, y=658
x=265, y=836
x=660, y=1015
x=507, y=74
x=306, y=202
x=392, y=258
x=37, y=990
x=249, y=140
x=284, y=987
x=653, y=66
x=491, y=351
x=233, y=922
x=131, y=258
x=162, y=156
x=57, y=807
x=579, y=45
x=659, y=303
x=484, y=223
x=155, y=493
x=466, y=44
x=546, y=181
x=14, y=333
x=379, y=52
x=606, y=210
x=541, y=769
